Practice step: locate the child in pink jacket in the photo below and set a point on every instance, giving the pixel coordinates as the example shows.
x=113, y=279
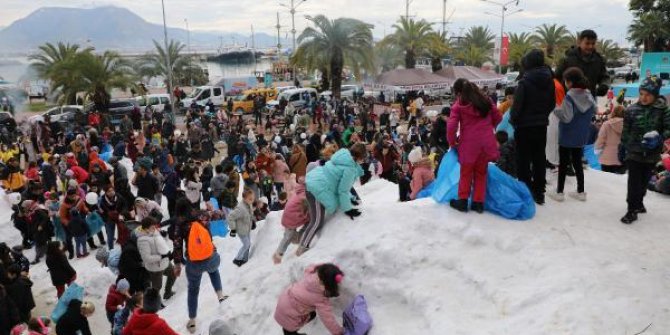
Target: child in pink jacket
x=301, y=302
x=296, y=215
x=422, y=173
x=476, y=117
x=280, y=172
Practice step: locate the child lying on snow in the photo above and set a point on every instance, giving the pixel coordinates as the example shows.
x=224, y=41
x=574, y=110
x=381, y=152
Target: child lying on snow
x=296, y=215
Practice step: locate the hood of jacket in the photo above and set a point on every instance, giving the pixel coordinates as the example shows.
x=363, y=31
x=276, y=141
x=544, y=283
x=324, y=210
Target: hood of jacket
x=343, y=158
x=144, y=321
x=423, y=163
x=616, y=124
x=540, y=76
x=582, y=98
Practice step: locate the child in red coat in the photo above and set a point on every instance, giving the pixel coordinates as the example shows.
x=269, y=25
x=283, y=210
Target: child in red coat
x=116, y=298
x=476, y=117
x=145, y=321
x=296, y=215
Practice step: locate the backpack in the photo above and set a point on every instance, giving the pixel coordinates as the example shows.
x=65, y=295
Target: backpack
x=200, y=246
x=357, y=320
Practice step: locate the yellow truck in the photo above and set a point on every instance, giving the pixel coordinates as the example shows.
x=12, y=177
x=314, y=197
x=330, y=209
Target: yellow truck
x=244, y=103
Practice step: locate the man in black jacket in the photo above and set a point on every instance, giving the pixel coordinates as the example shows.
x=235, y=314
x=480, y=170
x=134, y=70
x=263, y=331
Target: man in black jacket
x=147, y=184
x=585, y=57
x=534, y=100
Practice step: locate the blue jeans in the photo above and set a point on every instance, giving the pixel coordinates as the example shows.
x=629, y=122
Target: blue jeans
x=194, y=271
x=80, y=242
x=110, y=229
x=243, y=254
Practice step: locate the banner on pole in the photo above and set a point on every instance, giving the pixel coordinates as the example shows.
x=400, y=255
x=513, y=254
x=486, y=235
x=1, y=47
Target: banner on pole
x=504, y=51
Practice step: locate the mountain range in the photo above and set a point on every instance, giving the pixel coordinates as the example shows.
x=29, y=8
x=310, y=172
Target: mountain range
x=109, y=27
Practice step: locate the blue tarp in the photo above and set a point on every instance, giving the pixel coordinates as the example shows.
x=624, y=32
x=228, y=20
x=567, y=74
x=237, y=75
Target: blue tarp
x=217, y=227
x=73, y=292
x=591, y=157
x=505, y=196
x=95, y=223
x=106, y=152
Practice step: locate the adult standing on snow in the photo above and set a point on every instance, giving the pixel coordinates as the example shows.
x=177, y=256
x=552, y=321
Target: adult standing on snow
x=585, y=57
x=155, y=256
x=193, y=247
x=329, y=189
x=646, y=125
x=533, y=102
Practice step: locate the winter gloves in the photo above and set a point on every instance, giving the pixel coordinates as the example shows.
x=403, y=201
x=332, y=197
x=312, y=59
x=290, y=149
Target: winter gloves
x=352, y=213
x=233, y=233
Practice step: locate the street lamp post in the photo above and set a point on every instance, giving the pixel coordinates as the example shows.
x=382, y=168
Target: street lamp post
x=292, y=9
x=167, y=54
x=190, y=55
x=503, y=10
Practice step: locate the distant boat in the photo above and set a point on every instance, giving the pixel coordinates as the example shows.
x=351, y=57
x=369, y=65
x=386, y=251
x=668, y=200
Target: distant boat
x=235, y=54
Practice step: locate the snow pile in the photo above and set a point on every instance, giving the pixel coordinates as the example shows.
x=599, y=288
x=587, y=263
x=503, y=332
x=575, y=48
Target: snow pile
x=426, y=269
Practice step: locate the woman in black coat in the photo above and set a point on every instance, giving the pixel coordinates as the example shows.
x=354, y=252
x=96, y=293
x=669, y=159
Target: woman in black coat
x=9, y=313
x=59, y=267
x=131, y=268
x=19, y=289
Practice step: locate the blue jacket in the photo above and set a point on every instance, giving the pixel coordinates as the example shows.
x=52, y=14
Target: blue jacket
x=576, y=114
x=331, y=184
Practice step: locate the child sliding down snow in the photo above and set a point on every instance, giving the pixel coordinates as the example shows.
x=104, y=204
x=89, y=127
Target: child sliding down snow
x=241, y=221
x=575, y=114
x=296, y=215
x=476, y=117
x=301, y=302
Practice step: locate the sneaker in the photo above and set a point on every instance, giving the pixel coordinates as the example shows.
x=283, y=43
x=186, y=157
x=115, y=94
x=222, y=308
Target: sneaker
x=276, y=258
x=477, y=207
x=238, y=262
x=190, y=326
x=581, y=196
x=560, y=197
x=629, y=218
x=460, y=205
x=222, y=297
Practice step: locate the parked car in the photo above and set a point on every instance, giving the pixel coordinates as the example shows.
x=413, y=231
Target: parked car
x=201, y=95
x=244, y=103
x=157, y=101
x=295, y=97
x=347, y=91
x=56, y=113
x=281, y=89
x=117, y=109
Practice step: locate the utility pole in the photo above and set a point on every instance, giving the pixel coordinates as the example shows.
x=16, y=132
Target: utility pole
x=444, y=17
x=253, y=47
x=503, y=12
x=407, y=3
x=292, y=9
x=167, y=54
x=190, y=56
x=278, y=26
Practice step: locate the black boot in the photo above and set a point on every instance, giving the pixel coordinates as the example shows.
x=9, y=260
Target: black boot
x=539, y=198
x=460, y=205
x=477, y=207
x=641, y=210
x=629, y=218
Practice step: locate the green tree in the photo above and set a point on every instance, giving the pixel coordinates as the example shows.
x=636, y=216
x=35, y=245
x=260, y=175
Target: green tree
x=551, y=38
x=649, y=29
x=388, y=56
x=183, y=68
x=479, y=37
x=56, y=64
x=519, y=45
x=102, y=73
x=411, y=36
x=610, y=50
x=334, y=43
x=437, y=48
x=473, y=55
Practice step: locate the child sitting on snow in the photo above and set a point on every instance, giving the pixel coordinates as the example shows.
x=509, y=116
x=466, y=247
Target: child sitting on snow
x=296, y=215
x=507, y=149
x=422, y=173
x=301, y=302
x=121, y=317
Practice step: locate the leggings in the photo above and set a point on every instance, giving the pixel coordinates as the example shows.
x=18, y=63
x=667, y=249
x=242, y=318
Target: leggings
x=312, y=316
x=570, y=156
x=316, y=218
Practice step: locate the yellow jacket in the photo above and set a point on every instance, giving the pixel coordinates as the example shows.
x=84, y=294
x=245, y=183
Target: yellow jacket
x=14, y=181
x=6, y=155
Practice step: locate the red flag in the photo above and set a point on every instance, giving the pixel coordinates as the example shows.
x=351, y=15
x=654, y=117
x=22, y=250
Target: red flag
x=504, y=51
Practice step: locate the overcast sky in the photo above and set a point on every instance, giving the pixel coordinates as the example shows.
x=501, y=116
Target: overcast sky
x=609, y=18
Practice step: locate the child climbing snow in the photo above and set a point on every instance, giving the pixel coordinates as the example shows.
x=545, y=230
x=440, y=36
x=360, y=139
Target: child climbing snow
x=476, y=117
x=575, y=116
x=303, y=301
x=296, y=215
x=241, y=222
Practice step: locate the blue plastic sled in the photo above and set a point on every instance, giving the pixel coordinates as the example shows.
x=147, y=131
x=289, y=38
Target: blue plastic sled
x=591, y=157
x=505, y=196
x=95, y=223
x=217, y=227
x=73, y=292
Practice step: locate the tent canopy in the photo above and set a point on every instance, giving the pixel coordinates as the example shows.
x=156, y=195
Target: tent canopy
x=410, y=80
x=475, y=75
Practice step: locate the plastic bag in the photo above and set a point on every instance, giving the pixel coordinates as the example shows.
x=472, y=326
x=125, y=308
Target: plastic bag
x=591, y=157
x=73, y=292
x=505, y=196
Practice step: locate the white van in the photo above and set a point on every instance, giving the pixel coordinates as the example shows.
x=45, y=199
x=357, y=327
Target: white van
x=202, y=94
x=295, y=97
x=157, y=101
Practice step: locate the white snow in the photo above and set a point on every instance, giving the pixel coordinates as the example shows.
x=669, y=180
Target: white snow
x=426, y=269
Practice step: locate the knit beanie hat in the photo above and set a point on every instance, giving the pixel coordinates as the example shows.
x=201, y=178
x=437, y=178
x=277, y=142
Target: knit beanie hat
x=651, y=85
x=102, y=255
x=219, y=327
x=122, y=285
x=415, y=155
x=152, y=301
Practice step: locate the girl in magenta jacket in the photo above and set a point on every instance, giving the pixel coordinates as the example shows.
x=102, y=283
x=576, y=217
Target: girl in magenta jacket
x=476, y=117
x=301, y=302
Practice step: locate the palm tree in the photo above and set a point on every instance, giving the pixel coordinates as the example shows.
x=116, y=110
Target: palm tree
x=551, y=38
x=156, y=63
x=519, y=46
x=648, y=29
x=411, y=36
x=102, y=73
x=438, y=48
x=50, y=55
x=479, y=37
x=57, y=64
x=334, y=43
x=610, y=50
x=473, y=55
x=388, y=56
